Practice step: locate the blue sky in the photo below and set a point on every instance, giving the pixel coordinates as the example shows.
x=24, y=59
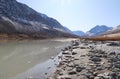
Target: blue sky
x=79, y=14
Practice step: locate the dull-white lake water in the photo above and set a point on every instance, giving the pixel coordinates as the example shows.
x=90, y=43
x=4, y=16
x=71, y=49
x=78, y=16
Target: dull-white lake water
x=18, y=60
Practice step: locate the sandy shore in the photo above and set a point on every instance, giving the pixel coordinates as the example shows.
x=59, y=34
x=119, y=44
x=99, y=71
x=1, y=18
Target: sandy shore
x=89, y=60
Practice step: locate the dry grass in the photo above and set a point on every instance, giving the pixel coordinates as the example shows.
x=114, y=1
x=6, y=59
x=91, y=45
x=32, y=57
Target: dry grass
x=111, y=37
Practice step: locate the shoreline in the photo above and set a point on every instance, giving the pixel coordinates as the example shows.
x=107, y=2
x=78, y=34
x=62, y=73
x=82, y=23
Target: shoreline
x=9, y=40
x=86, y=59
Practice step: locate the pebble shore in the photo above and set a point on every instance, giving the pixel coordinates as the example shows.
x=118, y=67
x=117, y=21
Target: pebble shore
x=85, y=59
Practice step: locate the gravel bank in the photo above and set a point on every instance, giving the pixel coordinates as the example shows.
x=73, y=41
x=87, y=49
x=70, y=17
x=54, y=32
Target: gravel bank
x=85, y=59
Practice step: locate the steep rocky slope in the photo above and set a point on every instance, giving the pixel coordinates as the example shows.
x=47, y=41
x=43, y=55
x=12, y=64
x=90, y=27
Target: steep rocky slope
x=18, y=18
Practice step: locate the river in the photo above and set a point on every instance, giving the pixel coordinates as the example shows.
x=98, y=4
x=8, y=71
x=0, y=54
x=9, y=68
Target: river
x=21, y=59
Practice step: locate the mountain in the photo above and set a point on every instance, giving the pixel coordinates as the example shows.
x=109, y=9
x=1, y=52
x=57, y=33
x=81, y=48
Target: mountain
x=113, y=31
x=67, y=30
x=98, y=30
x=79, y=33
x=18, y=18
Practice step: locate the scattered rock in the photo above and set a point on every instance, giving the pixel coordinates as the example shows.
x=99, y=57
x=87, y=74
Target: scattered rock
x=52, y=57
x=95, y=59
x=82, y=55
x=117, y=64
x=113, y=44
x=72, y=72
x=112, y=53
x=100, y=63
x=65, y=52
x=29, y=77
x=46, y=73
x=114, y=59
x=82, y=47
x=74, y=53
x=48, y=67
x=64, y=77
x=79, y=69
x=75, y=43
x=89, y=76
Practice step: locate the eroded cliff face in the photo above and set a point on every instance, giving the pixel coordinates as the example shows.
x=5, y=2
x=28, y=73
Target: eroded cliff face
x=16, y=17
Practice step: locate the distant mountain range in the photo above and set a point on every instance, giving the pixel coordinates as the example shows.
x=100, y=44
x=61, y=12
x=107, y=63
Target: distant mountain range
x=113, y=31
x=95, y=31
x=18, y=18
x=79, y=33
x=98, y=30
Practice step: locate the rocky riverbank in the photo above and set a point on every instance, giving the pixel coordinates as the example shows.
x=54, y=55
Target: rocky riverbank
x=86, y=59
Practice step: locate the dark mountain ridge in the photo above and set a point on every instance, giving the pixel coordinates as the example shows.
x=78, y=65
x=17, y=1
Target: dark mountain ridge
x=18, y=18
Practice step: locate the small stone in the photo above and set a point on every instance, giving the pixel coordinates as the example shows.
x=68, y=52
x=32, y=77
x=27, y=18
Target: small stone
x=79, y=69
x=114, y=59
x=29, y=77
x=65, y=52
x=98, y=55
x=100, y=68
x=45, y=73
x=95, y=59
x=112, y=53
x=118, y=76
x=82, y=56
x=64, y=77
x=97, y=78
x=113, y=75
x=76, y=65
x=117, y=65
x=95, y=73
x=113, y=44
x=72, y=73
x=74, y=53
x=52, y=57
x=89, y=76
x=68, y=78
x=60, y=73
x=82, y=47
x=76, y=59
